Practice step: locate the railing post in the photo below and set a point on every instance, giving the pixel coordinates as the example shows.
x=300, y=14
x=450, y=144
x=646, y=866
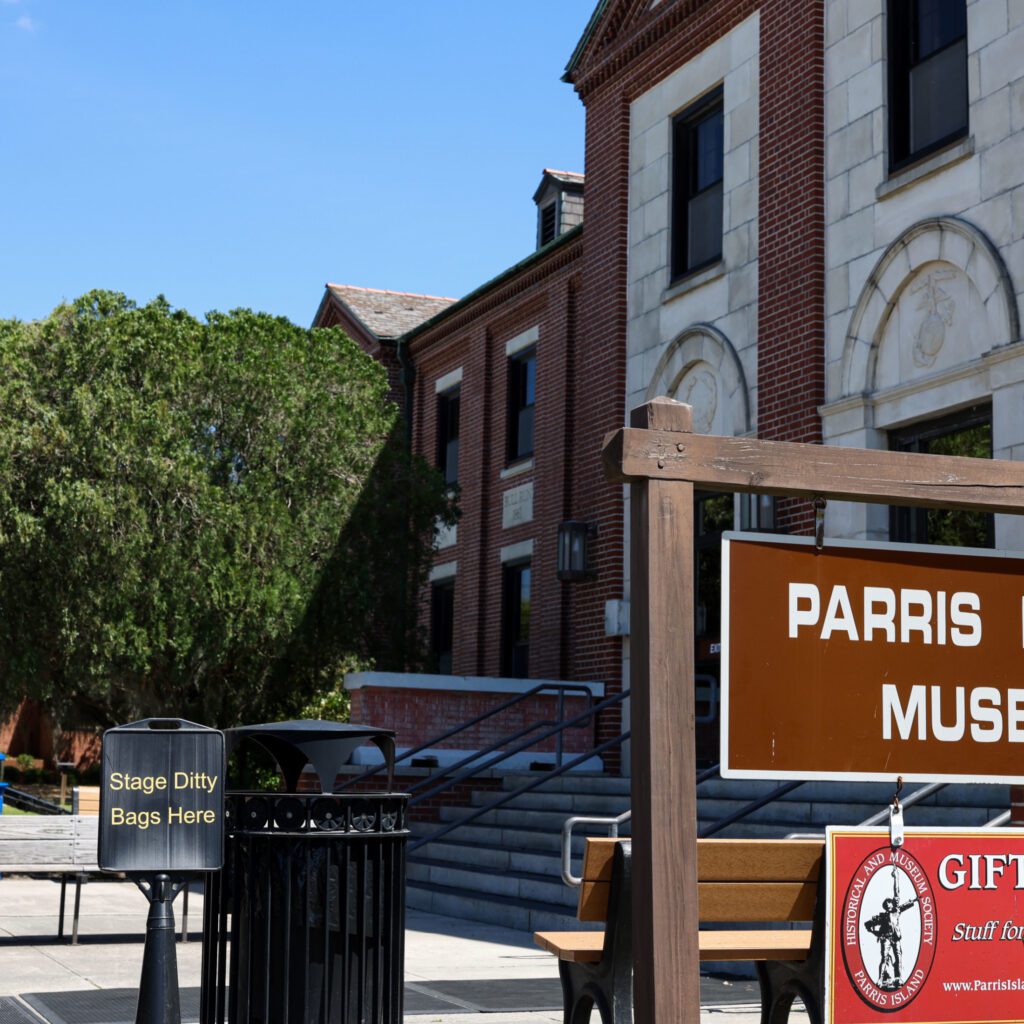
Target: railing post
x=1016, y=806
x=666, y=968
x=560, y=742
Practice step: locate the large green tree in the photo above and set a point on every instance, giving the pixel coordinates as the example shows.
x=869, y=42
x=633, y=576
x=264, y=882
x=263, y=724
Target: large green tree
x=206, y=518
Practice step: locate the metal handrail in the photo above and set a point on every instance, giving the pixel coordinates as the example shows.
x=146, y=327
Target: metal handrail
x=876, y=819
x=474, y=757
x=526, y=788
x=567, y=828
x=561, y=688
x=754, y=805
x=476, y=767
x=998, y=820
x=27, y=802
x=613, y=829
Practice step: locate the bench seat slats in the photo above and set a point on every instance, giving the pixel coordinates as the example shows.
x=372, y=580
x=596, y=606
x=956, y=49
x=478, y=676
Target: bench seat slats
x=576, y=947
x=727, y=860
x=723, y=901
x=33, y=851
x=586, y=947
x=759, y=860
x=757, y=901
x=55, y=844
x=43, y=828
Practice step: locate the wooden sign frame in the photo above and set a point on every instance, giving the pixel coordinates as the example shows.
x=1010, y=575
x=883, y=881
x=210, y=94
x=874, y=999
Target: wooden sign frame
x=663, y=461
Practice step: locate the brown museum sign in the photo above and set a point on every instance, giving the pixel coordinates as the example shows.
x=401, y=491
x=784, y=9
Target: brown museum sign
x=868, y=662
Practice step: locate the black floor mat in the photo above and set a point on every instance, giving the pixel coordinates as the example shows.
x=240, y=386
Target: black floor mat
x=117, y=1005
x=102, y=1006
x=489, y=996
x=12, y=1012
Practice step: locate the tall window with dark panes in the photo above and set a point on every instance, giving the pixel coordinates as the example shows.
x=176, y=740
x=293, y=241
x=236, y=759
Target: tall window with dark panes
x=967, y=433
x=448, y=435
x=522, y=386
x=442, y=625
x=697, y=161
x=927, y=77
x=515, y=621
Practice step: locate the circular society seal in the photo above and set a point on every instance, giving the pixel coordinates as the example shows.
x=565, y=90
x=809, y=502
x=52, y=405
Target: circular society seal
x=888, y=929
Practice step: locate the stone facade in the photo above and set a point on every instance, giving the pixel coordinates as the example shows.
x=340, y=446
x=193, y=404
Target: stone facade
x=696, y=341
x=925, y=266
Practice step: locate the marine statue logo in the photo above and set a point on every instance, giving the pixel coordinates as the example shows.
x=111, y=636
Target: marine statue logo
x=889, y=929
x=886, y=928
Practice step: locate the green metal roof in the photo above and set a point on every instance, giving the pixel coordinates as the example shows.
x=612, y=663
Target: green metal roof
x=534, y=257
x=584, y=39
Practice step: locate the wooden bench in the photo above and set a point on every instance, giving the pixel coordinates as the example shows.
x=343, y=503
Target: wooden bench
x=85, y=800
x=757, y=881
x=51, y=844
x=61, y=844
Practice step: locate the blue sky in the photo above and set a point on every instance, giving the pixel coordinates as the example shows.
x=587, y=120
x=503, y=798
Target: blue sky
x=242, y=154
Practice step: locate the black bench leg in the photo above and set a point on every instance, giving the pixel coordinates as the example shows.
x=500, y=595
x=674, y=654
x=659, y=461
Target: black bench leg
x=63, y=897
x=78, y=901
x=585, y=988
x=782, y=982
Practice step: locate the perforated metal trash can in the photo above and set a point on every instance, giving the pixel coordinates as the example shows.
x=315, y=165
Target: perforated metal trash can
x=306, y=922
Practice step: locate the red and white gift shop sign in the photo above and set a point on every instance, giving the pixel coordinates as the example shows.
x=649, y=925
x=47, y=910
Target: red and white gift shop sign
x=931, y=932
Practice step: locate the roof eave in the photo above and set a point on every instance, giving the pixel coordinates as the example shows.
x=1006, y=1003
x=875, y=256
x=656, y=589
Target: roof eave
x=577, y=54
x=494, y=282
x=331, y=295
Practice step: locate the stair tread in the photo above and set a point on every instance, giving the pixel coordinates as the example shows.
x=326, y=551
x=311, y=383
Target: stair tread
x=511, y=901
x=529, y=876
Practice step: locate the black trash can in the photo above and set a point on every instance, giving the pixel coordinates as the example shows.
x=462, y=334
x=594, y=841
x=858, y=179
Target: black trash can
x=306, y=922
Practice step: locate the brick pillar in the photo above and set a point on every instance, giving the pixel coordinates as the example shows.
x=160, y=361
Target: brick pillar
x=791, y=213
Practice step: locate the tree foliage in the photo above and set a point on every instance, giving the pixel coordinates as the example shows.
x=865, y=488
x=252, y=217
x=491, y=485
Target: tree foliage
x=205, y=518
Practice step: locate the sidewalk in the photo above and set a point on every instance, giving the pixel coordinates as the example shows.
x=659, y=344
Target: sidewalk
x=453, y=969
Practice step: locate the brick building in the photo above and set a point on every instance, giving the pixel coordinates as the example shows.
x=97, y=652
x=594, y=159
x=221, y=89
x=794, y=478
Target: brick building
x=806, y=221
x=495, y=397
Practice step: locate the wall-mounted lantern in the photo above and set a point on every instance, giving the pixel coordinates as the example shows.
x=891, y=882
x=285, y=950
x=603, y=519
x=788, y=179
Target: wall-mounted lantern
x=574, y=550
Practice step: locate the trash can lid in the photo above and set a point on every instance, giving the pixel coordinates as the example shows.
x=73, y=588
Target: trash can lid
x=324, y=745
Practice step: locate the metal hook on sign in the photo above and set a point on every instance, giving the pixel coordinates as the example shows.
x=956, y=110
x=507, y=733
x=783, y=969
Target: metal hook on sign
x=896, y=817
x=819, y=522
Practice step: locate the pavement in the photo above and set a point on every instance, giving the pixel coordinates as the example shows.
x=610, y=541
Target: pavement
x=454, y=969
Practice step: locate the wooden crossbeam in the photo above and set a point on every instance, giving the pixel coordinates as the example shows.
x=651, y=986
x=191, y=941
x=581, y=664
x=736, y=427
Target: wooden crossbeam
x=751, y=465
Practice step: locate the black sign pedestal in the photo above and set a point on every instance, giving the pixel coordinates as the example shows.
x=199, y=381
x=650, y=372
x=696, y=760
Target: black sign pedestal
x=159, y=1000
x=161, y=821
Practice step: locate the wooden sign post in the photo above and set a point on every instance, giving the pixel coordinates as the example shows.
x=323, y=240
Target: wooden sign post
x=663, y=462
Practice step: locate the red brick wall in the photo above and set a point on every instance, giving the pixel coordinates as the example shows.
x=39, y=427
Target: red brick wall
x=384, y=352
x=608, y=82
x=619, y=66
x=579, y=398
x=791, y=214
x=419, y=715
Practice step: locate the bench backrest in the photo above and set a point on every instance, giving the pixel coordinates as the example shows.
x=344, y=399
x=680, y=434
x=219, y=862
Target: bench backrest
x=737, y=879
x=58, y=842
x=85, y=800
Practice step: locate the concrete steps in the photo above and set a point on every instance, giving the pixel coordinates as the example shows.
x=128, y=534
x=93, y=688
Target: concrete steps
x=505, y=867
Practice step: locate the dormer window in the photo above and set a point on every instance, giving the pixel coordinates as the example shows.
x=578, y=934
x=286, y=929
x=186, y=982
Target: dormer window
x=548, y=224
x=559, y=199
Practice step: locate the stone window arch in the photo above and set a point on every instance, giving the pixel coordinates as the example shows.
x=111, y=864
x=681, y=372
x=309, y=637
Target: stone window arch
x=701, y=367
x=939, y=296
